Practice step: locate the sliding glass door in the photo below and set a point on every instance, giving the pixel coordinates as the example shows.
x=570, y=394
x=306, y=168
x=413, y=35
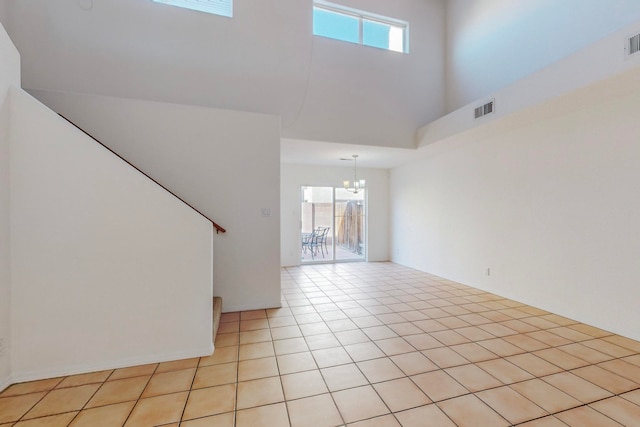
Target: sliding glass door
x=316, y=236
x=349, y=225
x=332, y=225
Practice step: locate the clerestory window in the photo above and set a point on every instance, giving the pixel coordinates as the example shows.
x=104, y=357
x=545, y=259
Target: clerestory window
x=216, y=7
x=356, y=26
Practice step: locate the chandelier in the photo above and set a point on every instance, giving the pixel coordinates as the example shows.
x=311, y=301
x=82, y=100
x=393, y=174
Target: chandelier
x=358, y=184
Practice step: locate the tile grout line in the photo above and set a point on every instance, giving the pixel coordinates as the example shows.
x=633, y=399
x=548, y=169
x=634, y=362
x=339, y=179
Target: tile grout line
x=331, y=393
x=36, y=403
x=186, y=402
x=140, y=397
x=22, y=419
x=387, y=356
x=275, y=356
x=525, y=351
x=372, y=385
x=583, y=405
x=342, y=417
x=379, y=286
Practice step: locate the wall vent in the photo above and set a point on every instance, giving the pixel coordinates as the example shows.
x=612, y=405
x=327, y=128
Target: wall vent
x=633, y=45
x=483, y=110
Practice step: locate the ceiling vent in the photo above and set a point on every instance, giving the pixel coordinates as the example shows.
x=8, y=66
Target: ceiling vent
x=632, y=46
x=483, y=110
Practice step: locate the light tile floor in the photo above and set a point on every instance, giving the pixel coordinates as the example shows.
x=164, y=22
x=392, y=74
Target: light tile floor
x=364, y=345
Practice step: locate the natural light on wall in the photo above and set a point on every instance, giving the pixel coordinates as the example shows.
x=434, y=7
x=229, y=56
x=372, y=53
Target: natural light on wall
x=216, y=7
x=356, y=26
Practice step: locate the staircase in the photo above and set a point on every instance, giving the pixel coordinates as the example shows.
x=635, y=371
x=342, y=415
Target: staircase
x=217, y=313
x=217, y=301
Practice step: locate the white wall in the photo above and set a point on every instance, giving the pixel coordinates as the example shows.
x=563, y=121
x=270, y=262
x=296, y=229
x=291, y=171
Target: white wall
x=594, y=63
x=3, y=12
x=263, y=60
x=295, y=176
x=9, y=76
x=549, y=205
x=107, y=268
x=224, y=163
x=491, y=44
x=368, y=96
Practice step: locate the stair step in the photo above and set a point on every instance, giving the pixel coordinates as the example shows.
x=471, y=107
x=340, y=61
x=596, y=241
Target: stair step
x=217, y=312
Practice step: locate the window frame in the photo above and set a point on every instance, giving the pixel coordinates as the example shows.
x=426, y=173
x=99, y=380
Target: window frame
x=362, y=16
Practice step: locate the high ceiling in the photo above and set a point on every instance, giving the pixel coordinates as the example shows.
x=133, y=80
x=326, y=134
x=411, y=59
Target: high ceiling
x=326, y=92
x=264, y=60
x=333, y=154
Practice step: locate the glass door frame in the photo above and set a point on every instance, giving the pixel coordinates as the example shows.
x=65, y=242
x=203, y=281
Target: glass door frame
x=365, y=219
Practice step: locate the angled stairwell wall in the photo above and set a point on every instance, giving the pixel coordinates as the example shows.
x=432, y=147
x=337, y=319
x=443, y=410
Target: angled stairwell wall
x=9, y=75
x=104, y=268
x=224, y=163
x=107, y=268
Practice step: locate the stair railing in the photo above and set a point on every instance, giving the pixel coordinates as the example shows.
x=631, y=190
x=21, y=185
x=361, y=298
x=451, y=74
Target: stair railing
x=218, y=228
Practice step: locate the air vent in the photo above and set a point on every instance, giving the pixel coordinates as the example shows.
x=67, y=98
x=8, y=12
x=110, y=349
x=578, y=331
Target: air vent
x=633, y=45
x=483, y=110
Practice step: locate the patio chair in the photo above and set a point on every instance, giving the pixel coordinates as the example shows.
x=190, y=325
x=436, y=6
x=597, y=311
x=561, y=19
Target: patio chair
x=310, y=242
x=323, y=233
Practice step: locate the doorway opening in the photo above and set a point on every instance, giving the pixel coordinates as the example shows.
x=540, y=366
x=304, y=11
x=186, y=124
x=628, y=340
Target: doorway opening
x=333, y=225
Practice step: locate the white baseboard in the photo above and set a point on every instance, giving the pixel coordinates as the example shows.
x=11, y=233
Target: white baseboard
x=5, y=382
x=60, y=371
x=256, y=306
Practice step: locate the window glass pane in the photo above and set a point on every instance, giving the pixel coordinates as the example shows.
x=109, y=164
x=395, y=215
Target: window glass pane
x=316, y=234
x=375, y=34
x=335, y=25
x=384, y=36
x=217, y=7
x=349, y=225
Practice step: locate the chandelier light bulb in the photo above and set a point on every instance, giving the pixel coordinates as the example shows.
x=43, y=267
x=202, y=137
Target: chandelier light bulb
x=358, y=184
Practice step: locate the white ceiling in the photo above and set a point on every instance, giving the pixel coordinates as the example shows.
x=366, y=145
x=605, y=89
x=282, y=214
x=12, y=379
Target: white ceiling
x=264, y=60
x=330, y=154
x=335, y=99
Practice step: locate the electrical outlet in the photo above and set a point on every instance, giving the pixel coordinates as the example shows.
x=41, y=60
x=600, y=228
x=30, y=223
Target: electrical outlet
x=266, y=212
x=488, y=271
